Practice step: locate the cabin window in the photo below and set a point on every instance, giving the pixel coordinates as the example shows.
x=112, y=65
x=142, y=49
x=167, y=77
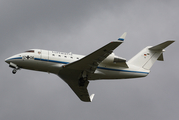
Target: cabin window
x=53, y=54
x=59, y=55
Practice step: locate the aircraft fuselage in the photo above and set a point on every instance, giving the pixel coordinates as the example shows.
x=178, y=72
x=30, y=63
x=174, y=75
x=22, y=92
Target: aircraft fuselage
x=53, y=62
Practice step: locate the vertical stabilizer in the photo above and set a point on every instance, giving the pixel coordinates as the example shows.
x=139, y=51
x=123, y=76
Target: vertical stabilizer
x=147, y=57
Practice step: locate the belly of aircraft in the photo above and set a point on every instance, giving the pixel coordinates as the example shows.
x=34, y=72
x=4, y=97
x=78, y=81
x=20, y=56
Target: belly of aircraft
x=38, y=66
x=120, y=74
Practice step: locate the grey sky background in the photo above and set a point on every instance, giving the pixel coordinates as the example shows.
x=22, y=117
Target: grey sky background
x=81, y=27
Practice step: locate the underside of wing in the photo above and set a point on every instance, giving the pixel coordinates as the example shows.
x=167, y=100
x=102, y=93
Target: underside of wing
x=71, y=78
x=81, y=91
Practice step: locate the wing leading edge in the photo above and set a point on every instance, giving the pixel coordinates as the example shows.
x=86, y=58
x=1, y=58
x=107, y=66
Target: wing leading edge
x=90, y=62
x=71, y=73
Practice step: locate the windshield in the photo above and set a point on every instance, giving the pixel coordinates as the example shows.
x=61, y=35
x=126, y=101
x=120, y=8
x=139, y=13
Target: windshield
x=32, y=51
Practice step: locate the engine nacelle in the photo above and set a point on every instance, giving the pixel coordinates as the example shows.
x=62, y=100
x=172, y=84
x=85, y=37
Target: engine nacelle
x=112, y=59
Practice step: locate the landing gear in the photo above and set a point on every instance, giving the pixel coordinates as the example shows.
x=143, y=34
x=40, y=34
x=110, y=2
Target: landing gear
x=82, y=81
x=14, y=71
x=14, y=66
x=84, y=78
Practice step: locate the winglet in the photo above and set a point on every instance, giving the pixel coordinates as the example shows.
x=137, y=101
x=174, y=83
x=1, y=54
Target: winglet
x=91, y=97
x=123, y=36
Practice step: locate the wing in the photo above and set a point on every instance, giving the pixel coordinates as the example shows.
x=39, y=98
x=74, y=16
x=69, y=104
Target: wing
x=90, y=62
x=71, y=77
x=81, y=91
x=71, y=73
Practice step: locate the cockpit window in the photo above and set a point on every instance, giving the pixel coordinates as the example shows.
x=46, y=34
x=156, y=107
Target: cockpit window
x=32, y=51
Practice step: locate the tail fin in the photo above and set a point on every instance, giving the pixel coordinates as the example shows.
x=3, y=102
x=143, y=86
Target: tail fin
x=147, y=57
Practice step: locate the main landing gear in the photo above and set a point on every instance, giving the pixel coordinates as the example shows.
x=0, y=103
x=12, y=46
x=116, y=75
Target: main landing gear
x=82, y=81
x=84, y=78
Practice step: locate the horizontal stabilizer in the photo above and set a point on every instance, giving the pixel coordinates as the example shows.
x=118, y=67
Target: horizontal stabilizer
x=161, y=46
x=147, y=57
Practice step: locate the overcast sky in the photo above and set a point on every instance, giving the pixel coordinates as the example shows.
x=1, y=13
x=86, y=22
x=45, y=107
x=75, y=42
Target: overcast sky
x=81, y=27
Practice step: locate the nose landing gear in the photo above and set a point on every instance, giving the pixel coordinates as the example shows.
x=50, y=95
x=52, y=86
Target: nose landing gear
x=14, y=71
x=14, y=66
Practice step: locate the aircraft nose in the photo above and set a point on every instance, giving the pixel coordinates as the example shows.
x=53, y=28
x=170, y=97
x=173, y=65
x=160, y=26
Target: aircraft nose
x=12, y=58
x=7, y=60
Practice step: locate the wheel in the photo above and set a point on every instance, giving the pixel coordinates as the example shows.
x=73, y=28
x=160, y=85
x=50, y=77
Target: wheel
x=81, y=82
x=14, y=71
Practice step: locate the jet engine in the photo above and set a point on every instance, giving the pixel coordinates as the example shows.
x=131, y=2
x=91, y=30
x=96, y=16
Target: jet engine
x=112, y=58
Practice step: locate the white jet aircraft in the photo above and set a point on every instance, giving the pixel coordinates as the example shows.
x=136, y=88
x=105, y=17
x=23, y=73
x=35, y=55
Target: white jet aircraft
x=77, y=70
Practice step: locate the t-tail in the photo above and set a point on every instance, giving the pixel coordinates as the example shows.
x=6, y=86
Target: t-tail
x=147, y=57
